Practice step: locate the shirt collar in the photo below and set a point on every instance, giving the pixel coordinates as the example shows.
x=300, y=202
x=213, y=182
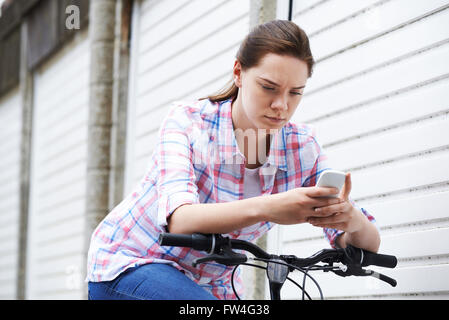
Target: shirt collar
x=227, y=143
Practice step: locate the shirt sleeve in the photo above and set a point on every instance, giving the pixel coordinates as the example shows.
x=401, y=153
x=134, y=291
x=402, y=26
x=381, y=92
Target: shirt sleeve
x=321, y=165
x=176, y=180
x=317, y=157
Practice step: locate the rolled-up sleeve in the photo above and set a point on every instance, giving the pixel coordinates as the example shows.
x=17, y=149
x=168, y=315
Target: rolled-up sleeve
x=176, y=182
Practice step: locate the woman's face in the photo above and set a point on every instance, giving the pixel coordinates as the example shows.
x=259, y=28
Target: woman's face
x=270, y=92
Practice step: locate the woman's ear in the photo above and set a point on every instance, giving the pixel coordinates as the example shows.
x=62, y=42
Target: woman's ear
x=237, y=74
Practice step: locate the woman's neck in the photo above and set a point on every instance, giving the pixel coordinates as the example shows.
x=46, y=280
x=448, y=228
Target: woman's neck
x=254, y=143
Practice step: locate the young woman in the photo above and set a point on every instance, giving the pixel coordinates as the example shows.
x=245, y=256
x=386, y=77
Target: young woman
x=233, y=164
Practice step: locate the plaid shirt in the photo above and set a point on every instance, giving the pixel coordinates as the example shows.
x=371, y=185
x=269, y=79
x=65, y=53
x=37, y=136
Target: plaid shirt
x=197, y=160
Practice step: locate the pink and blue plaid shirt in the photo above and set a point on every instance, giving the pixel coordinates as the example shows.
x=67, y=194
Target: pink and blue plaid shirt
x=197, y=160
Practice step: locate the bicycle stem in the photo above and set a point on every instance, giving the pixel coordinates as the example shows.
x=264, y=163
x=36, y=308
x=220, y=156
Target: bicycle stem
x=277, y=274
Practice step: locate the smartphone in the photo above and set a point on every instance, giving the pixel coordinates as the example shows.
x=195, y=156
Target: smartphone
x=332, y=178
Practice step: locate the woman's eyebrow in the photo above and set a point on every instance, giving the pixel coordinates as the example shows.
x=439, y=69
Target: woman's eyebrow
x=275, y=84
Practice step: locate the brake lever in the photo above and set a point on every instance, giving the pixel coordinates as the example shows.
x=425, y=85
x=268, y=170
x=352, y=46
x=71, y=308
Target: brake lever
x=210, y=257
x=382, y=277
x=226, y=257
x=360, y=272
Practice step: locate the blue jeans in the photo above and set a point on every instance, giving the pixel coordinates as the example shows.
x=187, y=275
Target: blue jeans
x=154, y=281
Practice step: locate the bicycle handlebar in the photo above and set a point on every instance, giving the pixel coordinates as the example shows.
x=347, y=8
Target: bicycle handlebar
x=213, y=242
x=220, y=250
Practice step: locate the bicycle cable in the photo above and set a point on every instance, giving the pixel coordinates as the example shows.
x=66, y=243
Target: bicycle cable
x=233, y=273
x=296, y=268
x=304, y=284
x=261, y=267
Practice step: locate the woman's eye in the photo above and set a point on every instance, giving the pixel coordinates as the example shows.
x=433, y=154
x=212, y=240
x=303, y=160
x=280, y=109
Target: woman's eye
x=272, y=89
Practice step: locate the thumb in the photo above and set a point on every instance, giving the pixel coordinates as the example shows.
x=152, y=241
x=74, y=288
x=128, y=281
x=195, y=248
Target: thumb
x=346, y=190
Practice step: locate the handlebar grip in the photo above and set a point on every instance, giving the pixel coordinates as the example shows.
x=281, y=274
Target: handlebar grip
x=363, y=258
x=376, y=259
x=197, y=241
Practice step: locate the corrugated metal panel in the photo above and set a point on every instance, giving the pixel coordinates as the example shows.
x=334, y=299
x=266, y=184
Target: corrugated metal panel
x=379, y=101
x=10, y=135
x=59, y=151
x=181, y=50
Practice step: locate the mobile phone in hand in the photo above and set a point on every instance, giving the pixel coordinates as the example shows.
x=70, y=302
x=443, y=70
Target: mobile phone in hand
x=332, y=178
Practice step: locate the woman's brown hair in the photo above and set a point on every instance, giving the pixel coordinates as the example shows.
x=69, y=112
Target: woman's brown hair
x=281, y=37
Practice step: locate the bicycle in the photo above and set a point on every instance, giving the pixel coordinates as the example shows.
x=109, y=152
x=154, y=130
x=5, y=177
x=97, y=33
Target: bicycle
x=220, y=249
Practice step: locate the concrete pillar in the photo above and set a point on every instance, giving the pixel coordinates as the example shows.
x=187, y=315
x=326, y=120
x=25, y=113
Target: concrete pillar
x=101, y=37
x=109, y=31
x=261, y=11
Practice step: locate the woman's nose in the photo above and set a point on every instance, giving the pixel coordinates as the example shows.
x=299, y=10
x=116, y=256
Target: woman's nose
x=280, y=104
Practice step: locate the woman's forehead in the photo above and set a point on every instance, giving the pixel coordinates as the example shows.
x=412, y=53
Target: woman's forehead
x=280, y=69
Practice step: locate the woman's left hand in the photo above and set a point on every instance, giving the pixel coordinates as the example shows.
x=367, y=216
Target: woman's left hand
x=341, y=216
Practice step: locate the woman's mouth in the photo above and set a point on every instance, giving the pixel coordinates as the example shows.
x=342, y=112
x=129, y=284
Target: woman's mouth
x=275, y=120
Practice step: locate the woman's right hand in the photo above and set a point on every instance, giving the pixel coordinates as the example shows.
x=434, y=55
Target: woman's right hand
x=296, y=205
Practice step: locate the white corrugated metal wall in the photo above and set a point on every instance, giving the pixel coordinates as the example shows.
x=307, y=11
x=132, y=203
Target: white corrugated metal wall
x=379, y=100
x=179, y=50
x=55, y=265
x=10, y=137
